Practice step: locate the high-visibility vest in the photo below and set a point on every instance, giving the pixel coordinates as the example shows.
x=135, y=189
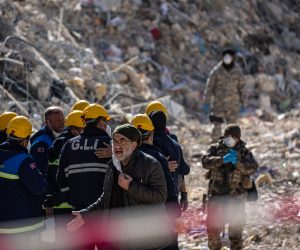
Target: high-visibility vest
x=43, y=138
x=9, y=170
x=24, y=229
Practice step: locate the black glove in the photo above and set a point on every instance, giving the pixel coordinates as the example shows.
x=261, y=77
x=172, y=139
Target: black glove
x=184, y=203
x=52, y=200
x=52, y=154
x=49, y=201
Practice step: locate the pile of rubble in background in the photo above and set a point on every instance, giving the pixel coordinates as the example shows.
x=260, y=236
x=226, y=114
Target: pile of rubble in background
x=124, y=53
x=138, y=50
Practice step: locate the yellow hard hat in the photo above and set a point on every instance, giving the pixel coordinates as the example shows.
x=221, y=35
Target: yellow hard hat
x=142, y=121
x=76, y=119
x=19, y=127
x=155, y=106
x=5, y=118
x=94, y=111
x=80, y=105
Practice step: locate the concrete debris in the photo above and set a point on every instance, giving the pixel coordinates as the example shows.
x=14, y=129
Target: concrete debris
x=122, y=54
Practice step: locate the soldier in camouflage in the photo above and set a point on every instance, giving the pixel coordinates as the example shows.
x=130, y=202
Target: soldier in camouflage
x=223, y=92
x=230, y=165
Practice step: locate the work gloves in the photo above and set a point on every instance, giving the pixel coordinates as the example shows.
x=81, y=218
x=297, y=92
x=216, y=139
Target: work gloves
x=231, y=157
x=184, y=203
x=206, y=108
x=52, y=200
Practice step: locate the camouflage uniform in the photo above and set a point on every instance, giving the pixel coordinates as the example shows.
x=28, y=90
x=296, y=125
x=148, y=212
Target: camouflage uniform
x=227, y=191
x=224, y=93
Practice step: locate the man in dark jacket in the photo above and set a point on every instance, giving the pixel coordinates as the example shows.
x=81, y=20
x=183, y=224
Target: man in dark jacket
x=21, y=184
x=230, y=165
x=143, y=123
x=74, y=124
x=145, y=126
x=171, y=149
x=79, y=168
x=133, y=178
x=43, y=139
x=81, y=173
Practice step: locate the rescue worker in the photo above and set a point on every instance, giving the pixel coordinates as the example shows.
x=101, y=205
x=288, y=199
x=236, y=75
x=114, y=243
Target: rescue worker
x=145, y=126
x=230, y=165
x=43, y=139
x=22, y=187
x=79, y=168
x=223, y=95
x=5, y=118
x=173, y=152
x=74, y=124
x=163, y=131
x=133, y=179
x=80, y=105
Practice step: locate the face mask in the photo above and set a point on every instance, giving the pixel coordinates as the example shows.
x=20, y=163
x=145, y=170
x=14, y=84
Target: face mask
x=55, y=134
x=117, y=164
x=227, y=59
x=229, y=142
x=108, y=130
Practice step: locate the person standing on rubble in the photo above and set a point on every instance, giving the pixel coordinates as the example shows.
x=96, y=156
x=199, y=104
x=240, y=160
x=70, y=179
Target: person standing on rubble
x=5, y=118
x=43, y=139
x=230, y=165
x=223, y=96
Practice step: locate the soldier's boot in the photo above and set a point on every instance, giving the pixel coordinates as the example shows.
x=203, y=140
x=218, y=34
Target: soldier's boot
x=236, y=241
x=216, y=132
x=214, y=243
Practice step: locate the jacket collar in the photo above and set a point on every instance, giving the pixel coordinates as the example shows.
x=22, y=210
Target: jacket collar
x=91, y=130
x=13, y=147
x=148, y=146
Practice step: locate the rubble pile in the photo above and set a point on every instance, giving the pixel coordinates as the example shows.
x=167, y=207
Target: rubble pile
x=168, y=47
x=123, y=53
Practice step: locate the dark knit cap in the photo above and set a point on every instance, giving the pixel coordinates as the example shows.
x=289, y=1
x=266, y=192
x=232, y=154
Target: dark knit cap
x=234, y=130
x=159, y=120
x=129, y=131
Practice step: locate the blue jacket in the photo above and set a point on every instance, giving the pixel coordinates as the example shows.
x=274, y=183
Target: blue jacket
x=172, y=151
x=171, y=186
x=54, y=152
x=22, y=187
x=40, y=142
x=80, y=170
x=60, y=195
